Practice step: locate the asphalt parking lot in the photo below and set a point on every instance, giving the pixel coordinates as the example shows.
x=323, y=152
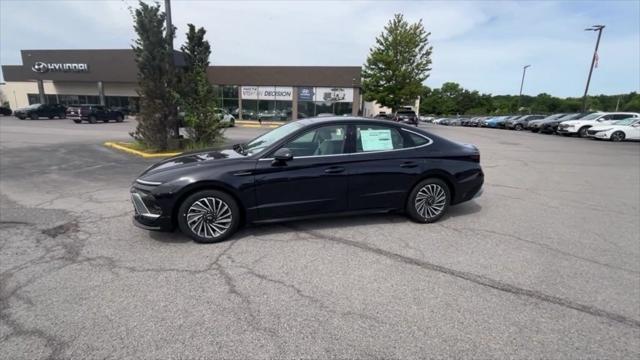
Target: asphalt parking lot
x=546, y=264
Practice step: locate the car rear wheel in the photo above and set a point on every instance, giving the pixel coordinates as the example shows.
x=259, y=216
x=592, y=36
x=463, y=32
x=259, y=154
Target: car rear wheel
x=119, y=118
x=77, y=121
x=518, y=127
x=209, y=216
x=92, y=119
x=617, y=136
x=428, y=201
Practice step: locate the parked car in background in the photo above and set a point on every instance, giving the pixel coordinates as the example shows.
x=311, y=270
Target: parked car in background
x=551, y=126
x=382, y=116
x=521, y=122
x=534, y=125
x=326, y=115
x=426, y=119
x=93, y=113
x=627, y=129
x=580, y=126
x=454, y=121
x=439, y=121
x=5, y=111
x=340, y=165
x=226, y=119
x=406, y=117
x=36, y=111
x=496, y=122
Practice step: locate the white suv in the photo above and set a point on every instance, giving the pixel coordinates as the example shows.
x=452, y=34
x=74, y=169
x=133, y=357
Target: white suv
x=580, y=126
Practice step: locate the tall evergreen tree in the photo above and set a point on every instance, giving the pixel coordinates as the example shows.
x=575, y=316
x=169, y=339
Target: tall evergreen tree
x=197, y=96
x=398, y=64
x=156, y=77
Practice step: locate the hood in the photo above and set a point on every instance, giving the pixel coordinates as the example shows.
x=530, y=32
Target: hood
x=189, y=160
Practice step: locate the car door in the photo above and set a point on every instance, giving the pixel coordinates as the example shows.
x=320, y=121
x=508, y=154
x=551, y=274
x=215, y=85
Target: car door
x=634, y=131
x=100, y=113
x=384, y=167
x=313, y=182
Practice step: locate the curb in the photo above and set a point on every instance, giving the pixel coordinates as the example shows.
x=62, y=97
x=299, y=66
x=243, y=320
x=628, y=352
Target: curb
x=143, y=154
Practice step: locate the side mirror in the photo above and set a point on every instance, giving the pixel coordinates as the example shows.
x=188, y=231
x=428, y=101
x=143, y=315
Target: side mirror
x=283, y=155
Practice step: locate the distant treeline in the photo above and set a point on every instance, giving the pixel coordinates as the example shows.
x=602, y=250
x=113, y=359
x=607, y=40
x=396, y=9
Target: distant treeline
x=452, y=99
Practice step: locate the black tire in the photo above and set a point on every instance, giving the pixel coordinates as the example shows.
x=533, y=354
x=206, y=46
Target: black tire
x=34, y=116
x=51, y=117
x=92, y=119
x=119, y=118
x=21, y=117
x=210, y=195
x=534, y=130
x=422, y=215
x=62, y=116
x=617, y=136
x=77, y=121
x=518, y=127
x=583, y=131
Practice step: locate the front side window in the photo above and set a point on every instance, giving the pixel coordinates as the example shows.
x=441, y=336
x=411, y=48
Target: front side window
x=264, y=141
x=326, y=140
x=378, y=138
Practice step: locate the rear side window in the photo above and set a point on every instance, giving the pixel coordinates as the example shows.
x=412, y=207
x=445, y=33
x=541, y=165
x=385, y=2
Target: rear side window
x=378, y=138
x=417, y=140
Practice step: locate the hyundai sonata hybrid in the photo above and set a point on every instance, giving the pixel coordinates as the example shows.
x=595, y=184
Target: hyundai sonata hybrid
x=308, y=168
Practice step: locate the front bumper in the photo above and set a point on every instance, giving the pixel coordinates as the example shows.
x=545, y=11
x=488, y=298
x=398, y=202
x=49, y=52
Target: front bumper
x=598, y=134
x=148, y=214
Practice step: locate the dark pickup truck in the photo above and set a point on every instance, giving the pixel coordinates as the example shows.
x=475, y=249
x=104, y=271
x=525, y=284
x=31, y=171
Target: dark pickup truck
x=36, y=111
x=93, y=114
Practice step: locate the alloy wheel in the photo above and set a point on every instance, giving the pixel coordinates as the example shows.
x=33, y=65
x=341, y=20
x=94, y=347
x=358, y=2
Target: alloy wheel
x=617, y=136
x=209, y=217
x=430, y=201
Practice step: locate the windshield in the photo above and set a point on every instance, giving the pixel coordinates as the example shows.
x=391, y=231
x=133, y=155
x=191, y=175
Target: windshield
x=262, y=142
x=591, y=116
x=628, y=121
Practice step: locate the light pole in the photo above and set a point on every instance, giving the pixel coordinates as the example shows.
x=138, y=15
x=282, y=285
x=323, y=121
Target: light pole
x=524, y=71
x=597, y=28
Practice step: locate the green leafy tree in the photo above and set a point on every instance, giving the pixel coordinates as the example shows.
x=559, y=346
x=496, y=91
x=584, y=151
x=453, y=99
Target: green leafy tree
x=156, y=77
x=197, y=95
x=398, y=64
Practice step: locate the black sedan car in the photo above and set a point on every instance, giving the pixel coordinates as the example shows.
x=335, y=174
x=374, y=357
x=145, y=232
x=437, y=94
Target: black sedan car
x=308, y=168
x=36, y=111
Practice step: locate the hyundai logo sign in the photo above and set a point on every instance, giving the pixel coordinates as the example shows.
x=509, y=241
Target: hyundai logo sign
x=42, y=67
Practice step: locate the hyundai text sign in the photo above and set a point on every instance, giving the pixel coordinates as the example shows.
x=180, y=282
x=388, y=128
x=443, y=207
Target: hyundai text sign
x=43, y=67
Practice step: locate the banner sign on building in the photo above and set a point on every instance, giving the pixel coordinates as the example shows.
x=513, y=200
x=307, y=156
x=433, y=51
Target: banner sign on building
x=305, y=93
x=333, y=94
x=280, y=93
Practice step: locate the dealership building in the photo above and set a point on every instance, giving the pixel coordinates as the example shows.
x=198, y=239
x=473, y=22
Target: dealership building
x=109, y=77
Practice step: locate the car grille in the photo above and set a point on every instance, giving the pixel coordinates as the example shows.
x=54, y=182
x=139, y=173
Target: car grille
x=592, y=132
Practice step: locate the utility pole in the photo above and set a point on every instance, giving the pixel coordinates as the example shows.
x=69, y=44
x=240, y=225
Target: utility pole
x=597, y=28
x=524, y=71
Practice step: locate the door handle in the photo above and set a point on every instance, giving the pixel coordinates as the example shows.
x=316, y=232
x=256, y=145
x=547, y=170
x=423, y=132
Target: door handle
x=408, y=164
x=334, y=170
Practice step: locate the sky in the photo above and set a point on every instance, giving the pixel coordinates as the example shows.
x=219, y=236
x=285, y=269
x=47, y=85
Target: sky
x=482, y=45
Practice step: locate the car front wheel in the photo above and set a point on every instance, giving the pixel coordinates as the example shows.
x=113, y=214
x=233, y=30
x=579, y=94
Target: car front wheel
x=428, y=201
x=209, y=216
x=617, y=136
x=34, y=116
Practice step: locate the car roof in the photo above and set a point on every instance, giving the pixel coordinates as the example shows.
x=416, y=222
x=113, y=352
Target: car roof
x=341, y=119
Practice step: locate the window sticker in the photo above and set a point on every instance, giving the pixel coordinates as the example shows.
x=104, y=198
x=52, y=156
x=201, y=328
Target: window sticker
x=373, y=140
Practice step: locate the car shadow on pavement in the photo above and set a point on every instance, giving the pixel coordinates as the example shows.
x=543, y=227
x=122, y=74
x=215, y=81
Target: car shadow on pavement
x=463, y=209
x=258, y=230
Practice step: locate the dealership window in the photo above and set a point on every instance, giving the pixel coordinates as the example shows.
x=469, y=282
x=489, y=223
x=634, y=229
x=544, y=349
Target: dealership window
x=33, y=99
x=250, y=109
x=306, y=109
